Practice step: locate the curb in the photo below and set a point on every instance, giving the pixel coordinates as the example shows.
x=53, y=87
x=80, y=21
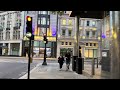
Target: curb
x=25, y=76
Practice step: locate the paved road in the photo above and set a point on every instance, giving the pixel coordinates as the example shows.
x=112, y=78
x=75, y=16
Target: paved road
x=14, y=69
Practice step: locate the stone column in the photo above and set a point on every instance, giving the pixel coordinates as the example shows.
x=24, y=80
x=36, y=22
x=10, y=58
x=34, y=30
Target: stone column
x=115, y=45
x=58, y=49
x=20, y=49
x=9, y=48
x=3, y=51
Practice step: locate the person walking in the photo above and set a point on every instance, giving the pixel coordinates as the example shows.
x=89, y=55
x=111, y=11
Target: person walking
x=60, y=61
x=68, y=59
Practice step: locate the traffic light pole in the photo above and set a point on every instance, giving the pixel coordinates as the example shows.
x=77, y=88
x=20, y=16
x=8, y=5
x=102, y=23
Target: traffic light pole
x=29, y=54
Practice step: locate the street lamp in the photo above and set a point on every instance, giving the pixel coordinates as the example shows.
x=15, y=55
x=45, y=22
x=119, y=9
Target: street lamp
x=45, y=41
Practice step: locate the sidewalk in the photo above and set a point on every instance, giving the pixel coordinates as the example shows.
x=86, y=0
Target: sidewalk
x=10, y=57
x=51, y=71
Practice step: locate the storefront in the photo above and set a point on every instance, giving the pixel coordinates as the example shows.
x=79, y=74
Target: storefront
x=39, y=46
x=91, y=53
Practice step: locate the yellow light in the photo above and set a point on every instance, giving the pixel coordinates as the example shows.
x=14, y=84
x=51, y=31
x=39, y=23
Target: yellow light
x=98, y=38
x=83, y=37
x=115, y=35
x=29, y=18
x=94, y=28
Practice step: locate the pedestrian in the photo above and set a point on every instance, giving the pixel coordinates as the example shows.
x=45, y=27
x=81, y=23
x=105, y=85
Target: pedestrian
x=68, y=59
x=60, y=61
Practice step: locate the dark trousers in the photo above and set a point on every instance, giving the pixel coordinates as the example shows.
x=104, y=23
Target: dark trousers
x=60, y=64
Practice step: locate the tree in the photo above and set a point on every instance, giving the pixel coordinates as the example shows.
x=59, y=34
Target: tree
x=57, y=13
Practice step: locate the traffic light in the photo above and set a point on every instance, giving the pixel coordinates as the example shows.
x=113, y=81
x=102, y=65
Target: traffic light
x=45, y=39
x=29, y=24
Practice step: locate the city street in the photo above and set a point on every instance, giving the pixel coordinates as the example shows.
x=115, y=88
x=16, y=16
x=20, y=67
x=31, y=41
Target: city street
x=14, y=68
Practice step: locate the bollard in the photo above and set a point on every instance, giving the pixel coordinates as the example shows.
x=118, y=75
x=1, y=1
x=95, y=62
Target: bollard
x=93, y=66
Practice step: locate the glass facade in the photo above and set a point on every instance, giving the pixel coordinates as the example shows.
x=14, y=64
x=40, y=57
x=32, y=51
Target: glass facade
x=39, y=46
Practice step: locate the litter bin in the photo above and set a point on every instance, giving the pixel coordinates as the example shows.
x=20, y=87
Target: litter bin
x=82, y=63
x=74, y=63
x=79, y=65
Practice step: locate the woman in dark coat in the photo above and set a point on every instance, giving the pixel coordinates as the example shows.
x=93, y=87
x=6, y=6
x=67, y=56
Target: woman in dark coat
x=60, y=61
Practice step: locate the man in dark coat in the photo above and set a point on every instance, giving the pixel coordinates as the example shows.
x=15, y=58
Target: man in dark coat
x=68, y=59
x=61, y=61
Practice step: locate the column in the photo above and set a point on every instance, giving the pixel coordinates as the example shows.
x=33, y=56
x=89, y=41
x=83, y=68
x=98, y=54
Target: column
x=20, y=49
x=115, y=45
x=58, y=49
x=9, y=49
x=3, y=51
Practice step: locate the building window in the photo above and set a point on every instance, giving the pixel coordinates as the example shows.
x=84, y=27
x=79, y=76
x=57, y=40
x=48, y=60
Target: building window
x=43, y=12
x=93, y=23
x=70, y=22
x=70, y=43
x=88, y=23
x=66, y=43
x=1, y=35
x=63, y=32
x=7, y=35
x=62, y=43
x=90, y=44
x=93, y=33
x=43, y=21
x=43, y=30
x=63, y=21
x=86, y=44
x=39, y=12
x=18, y=35
x=39, y=21
x=69, y=32
x=94, y=44
x=48, y=21
x=87, y=34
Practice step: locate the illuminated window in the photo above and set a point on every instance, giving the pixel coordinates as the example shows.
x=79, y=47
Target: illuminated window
x=86, y=53
x=62, y=43
x=90, y=53
x=93, y=23
x=70, y=22
x=64, y=22
x=43, y=12
x=43, y=21
x=38, y=21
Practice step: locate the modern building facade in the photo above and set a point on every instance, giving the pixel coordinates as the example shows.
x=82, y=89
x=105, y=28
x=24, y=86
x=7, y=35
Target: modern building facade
x=45, y=24
x=11, y=32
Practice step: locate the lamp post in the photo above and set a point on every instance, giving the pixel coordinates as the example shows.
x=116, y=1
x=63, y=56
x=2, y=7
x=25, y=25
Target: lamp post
x=44, y=61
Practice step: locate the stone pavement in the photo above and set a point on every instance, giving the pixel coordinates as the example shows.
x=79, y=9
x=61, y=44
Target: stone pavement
x=51, y=71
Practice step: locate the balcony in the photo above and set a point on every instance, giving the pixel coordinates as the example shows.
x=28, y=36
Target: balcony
x=63, y=37
x=16, y=27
